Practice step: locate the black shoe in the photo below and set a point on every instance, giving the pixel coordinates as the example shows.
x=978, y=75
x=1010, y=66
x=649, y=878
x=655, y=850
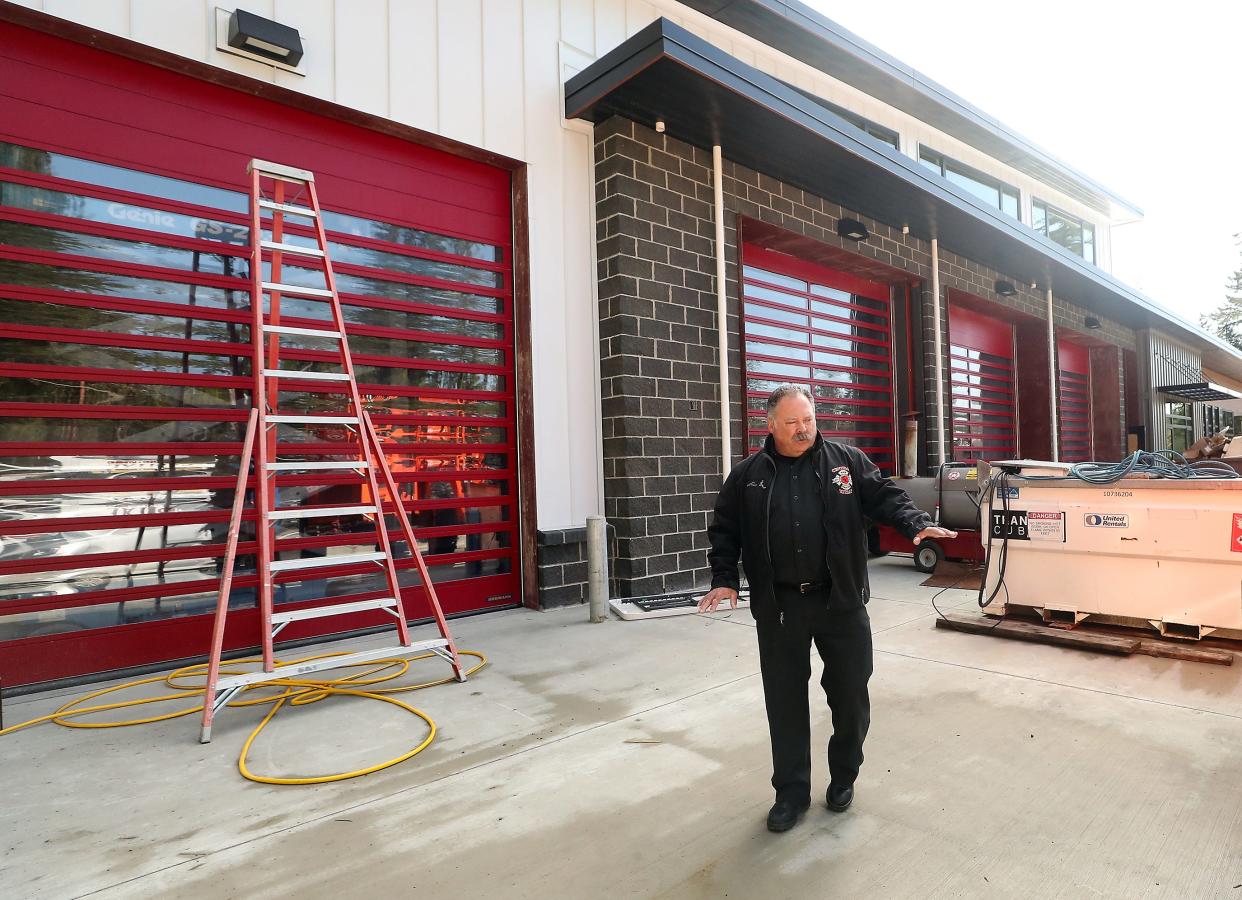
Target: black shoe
x=785, y=813
x=839, y=797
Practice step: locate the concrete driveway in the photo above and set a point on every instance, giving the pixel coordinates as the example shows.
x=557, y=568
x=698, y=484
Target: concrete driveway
x=994, y=769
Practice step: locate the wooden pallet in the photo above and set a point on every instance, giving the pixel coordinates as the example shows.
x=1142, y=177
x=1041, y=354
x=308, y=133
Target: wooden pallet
x=1083, y=639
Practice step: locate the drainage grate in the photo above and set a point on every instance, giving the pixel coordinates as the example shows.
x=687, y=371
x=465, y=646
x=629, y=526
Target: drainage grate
x=673, y=601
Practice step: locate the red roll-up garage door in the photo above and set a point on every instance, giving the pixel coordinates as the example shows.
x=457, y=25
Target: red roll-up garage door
x=124, y=329
x=1074, y=401
x=981, y=381
x=812, y=325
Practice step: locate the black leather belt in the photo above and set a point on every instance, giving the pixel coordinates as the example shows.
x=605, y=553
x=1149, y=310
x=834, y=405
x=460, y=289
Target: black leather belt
x=807, y=587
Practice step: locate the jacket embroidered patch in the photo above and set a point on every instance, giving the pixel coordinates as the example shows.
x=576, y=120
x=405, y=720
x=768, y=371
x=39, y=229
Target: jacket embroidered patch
x=842, y=479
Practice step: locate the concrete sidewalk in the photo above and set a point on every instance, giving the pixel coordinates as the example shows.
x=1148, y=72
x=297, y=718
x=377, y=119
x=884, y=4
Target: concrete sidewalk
x=994, y=769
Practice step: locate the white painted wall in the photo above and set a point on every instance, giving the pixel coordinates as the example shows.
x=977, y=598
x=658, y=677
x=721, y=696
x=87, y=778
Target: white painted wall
x=490, y=73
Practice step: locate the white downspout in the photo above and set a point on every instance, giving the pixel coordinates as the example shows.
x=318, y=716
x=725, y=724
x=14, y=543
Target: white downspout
x=939, y=350
x=1053, y=379
x=722, y=320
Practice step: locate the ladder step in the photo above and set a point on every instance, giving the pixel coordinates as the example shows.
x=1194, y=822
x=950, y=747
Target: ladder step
x=340, y=609
x=305, y=332
x=324, y=562
x=313, y=420
x=274, y=287
x=306, y=376
x=287, y=208
x=231, y=682
x=322, y=464
x=321, y=512
x=289, y=173
x=291, y=248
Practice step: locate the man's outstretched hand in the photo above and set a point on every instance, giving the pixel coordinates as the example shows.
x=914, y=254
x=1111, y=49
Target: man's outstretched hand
x=932, y=531
x=714, y=596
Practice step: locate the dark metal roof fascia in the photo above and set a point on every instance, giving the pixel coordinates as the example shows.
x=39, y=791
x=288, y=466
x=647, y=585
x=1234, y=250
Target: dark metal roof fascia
x=663, y=42
x=810, y=37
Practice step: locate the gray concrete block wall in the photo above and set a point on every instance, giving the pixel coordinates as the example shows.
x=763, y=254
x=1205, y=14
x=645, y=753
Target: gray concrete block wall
x=562, y=556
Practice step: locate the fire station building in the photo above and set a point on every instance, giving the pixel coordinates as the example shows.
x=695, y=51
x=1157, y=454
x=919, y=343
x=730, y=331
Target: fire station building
x=577, y=243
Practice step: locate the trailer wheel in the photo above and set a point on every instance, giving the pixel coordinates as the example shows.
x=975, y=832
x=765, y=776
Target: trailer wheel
x=927, y=556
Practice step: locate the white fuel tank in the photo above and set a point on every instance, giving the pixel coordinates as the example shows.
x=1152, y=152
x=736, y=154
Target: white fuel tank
x=1159, y=552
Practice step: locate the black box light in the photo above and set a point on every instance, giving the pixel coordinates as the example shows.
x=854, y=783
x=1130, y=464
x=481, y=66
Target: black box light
x=852, y=229
x=263, y=37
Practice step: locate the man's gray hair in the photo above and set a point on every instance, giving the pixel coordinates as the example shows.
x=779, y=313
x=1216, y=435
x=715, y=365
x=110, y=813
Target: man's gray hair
x=788, y=390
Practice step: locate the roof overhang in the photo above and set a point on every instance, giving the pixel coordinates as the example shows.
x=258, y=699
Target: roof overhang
x=1200, y=392
x=706, y=96
x=799, y=31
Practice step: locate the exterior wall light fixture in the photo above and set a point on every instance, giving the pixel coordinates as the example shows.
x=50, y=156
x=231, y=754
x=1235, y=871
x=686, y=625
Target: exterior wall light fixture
x=1092, y=322
x=1005, y=288
x=852, y=229
x=262, y=37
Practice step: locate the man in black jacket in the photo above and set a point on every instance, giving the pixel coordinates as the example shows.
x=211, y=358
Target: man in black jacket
x=793, y=512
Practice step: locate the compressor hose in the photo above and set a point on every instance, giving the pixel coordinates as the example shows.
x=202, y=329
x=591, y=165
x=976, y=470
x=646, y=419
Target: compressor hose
x=290, y=692
x=1160, y=464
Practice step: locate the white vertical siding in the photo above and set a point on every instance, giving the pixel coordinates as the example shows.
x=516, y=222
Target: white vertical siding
x=578, y=24
x=314, y=20
x=549, y=340
x=609, y=26
x=106, y=15
x=414, y=63
x=176, y=27
x=460, y=76
x=362, y=47
x=504, y=99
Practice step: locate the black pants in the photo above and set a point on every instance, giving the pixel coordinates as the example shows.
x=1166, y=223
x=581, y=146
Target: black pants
x=843, y=640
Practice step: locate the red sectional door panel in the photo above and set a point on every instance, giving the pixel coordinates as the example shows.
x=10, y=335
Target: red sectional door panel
x=808, y=324
x=1074, y=402
x=981, y=383
x=124, y=327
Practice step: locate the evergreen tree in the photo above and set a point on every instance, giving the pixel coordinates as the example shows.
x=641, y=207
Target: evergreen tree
x=1226, y=320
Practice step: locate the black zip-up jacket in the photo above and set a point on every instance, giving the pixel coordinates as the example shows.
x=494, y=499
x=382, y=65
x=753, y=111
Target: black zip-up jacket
x=852, y=488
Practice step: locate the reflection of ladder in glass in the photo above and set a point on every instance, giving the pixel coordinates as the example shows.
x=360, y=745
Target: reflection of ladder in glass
x=281, y=191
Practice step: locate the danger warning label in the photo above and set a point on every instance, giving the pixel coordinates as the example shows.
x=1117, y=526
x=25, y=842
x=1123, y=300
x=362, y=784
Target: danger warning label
x=1235, y=542
x=1021, y=525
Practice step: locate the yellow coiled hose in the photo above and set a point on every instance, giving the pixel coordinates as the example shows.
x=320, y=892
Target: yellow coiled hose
x=292, y=691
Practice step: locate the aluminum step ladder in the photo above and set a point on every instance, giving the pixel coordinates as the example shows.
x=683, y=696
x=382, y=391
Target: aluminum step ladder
x=278, y=192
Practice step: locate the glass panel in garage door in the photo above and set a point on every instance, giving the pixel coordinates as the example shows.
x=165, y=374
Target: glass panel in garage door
x=981, y=383
x=124, y=324
x=807, y=324
x=1074, y=401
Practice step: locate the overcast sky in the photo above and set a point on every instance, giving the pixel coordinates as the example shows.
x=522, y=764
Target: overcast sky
x=1143, y=98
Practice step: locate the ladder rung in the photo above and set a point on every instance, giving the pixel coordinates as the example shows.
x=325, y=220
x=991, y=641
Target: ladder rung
x=305, y=332
x=273, y=287
x=320, y=513
x=288, y=208
x=313, y=420
x=306, y=376
x=230, y=682
x=340, y=609
x=324, y=562
x=290, y=248
x=321, y=464
x=289, y=173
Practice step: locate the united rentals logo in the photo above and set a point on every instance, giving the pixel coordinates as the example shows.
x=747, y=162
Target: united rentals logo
x=1106, y=520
